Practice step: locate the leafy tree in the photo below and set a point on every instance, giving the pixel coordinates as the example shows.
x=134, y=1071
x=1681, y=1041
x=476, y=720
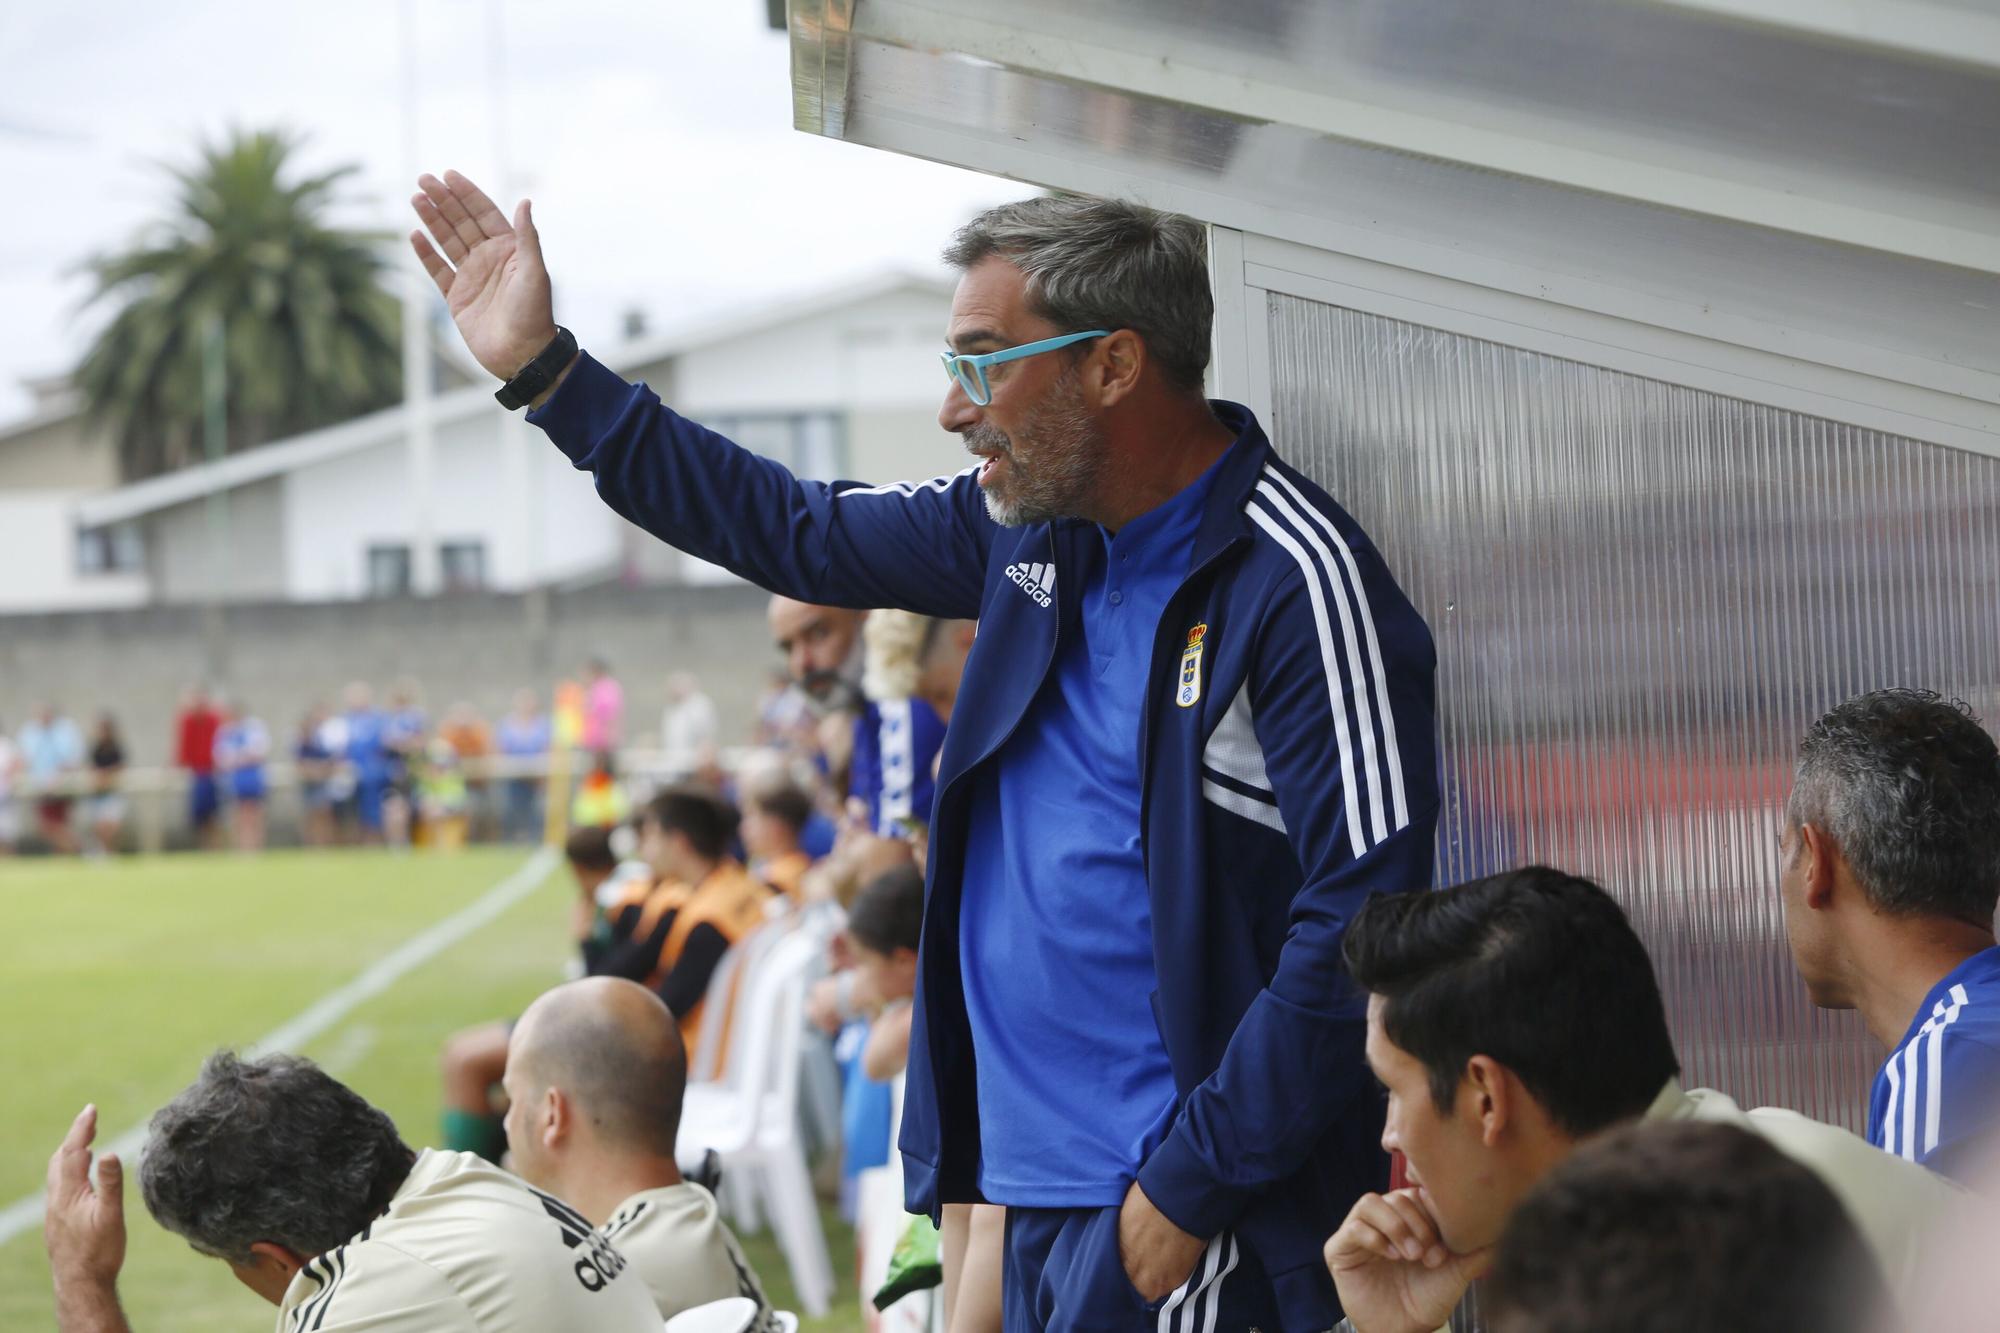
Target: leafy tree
x=310, y=334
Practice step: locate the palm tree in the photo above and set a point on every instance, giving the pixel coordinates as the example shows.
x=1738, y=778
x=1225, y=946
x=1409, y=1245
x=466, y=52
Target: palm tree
x=310, y=334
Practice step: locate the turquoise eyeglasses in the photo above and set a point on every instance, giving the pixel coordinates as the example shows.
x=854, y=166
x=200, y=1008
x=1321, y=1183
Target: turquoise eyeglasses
x=970, y=370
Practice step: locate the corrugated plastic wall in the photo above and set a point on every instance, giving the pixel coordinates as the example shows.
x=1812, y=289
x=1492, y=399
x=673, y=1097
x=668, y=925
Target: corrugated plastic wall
x=1642, y=595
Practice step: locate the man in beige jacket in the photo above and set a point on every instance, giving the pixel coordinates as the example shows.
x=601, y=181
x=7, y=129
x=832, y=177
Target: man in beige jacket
x=1510, y=1019
x=595, y=1077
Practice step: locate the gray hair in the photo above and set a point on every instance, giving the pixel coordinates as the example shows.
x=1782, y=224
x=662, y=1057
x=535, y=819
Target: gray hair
x=1106, y=264
x=273, y=1150
x=1907, y=785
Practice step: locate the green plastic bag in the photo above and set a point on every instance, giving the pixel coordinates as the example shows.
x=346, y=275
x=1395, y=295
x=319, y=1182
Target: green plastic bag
x=914, y=1266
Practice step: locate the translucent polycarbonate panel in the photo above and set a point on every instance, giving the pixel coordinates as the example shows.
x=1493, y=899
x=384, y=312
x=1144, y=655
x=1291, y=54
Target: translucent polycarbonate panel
x=1642, y=594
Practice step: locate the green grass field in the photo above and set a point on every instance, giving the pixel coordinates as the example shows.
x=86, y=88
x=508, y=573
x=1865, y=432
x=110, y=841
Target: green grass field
x=117, y=978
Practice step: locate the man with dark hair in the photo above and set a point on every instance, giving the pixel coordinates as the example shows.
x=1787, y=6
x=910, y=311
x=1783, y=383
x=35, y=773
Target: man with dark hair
x=1667, y=1228
x=704, y=902
x=316, y=1204
x=595, y=1077
x=1510, y=1019
x=1194, y=731
x=1891, y=872
x=776, y=811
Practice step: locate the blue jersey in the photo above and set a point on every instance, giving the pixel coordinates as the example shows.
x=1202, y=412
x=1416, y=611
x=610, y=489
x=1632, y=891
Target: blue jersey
x=1938, y=1094
x=366, y=749
x=895, y=745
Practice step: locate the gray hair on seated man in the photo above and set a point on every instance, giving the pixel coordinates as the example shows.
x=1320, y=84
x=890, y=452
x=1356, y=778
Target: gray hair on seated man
x=1906, y=784
x=267, y=1153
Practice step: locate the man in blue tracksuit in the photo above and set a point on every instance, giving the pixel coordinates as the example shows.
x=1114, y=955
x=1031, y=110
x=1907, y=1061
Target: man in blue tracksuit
x=1194, y=733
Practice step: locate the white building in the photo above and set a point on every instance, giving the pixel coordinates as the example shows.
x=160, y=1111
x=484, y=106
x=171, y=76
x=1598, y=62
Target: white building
x=843, y=383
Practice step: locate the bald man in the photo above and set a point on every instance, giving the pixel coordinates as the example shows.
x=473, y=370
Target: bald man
x=821, y=646
x=595, y=1076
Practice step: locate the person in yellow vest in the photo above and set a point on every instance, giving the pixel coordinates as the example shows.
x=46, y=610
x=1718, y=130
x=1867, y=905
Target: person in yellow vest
x=568, y=715
x=707, y=901
x=600, y=801
x=442, y=797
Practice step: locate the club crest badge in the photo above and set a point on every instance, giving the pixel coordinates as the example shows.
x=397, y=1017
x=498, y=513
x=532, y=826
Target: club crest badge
x=1189, y=691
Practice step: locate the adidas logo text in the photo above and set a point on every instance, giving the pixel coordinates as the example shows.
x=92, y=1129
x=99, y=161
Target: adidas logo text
x=1038, y=581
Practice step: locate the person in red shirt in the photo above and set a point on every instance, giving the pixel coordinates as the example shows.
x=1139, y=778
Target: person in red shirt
x=194, y=750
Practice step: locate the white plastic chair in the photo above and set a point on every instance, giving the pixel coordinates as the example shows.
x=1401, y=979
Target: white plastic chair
x=751, y=1118
x=709, y=1083
x=734, y=1315
x=741, y=958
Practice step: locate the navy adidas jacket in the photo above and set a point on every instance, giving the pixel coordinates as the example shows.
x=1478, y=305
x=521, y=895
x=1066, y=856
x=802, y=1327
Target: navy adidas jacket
x=1288, y=768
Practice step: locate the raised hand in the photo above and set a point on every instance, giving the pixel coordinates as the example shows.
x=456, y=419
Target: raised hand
x=84, y=1228
x=490, y=272
x=1392, y=1268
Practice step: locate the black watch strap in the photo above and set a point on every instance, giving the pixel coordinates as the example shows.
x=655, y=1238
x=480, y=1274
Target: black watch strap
x=540, y=373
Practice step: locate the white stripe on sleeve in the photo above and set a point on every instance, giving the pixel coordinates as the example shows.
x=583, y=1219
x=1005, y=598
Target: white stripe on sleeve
x=1934, y=1066
x=1891, y=1112
x=906, y=489
x=1364, y=710
x=1395, y=754
x=1906, y=1137
x=1355, y=833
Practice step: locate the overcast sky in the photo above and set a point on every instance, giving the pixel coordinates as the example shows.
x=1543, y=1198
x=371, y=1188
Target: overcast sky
x=655, y=138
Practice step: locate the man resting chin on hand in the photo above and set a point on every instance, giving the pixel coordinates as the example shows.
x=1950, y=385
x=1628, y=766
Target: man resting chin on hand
x=1392, y=1268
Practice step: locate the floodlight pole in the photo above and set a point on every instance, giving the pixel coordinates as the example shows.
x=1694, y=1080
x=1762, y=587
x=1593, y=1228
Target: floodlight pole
x=215, y=446
x=417, y=354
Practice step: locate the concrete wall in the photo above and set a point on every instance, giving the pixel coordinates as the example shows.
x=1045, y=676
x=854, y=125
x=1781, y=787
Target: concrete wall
x=281, y=658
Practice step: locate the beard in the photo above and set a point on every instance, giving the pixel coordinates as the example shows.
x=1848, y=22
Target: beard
x=1055, y=461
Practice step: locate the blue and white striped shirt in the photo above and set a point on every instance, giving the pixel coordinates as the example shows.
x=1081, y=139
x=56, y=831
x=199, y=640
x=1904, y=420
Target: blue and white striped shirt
x=1939, y=1091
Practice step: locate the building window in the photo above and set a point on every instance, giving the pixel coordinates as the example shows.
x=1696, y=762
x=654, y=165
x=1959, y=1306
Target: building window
x=389, y=570
x=113, y=550
x=462, y=565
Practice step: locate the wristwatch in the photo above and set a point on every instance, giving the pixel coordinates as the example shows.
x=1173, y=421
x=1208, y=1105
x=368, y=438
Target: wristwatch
x=540, y=373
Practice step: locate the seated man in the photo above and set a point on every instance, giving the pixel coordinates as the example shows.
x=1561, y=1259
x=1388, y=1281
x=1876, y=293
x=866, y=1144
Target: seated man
x=705, y=902
x=317, y=1205
x=1511, y=1019
x=1663, y=1228
x=595, y=1076
x=1891, y=872
x=476, y=1057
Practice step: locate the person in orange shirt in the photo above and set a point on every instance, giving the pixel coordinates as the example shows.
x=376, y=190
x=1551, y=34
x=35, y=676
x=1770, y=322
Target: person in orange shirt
x=706, y=903
x=472, y=741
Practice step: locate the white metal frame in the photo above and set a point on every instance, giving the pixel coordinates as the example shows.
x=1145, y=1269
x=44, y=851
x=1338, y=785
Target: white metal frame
x=1876, y=389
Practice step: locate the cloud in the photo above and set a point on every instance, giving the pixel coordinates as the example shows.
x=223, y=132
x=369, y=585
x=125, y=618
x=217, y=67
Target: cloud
x=655, y=139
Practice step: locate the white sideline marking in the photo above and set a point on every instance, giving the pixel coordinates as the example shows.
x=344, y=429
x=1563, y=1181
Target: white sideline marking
x=335, y=1005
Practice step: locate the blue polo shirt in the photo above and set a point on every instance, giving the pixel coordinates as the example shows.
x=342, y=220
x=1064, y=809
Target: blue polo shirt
x=1055, y=937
